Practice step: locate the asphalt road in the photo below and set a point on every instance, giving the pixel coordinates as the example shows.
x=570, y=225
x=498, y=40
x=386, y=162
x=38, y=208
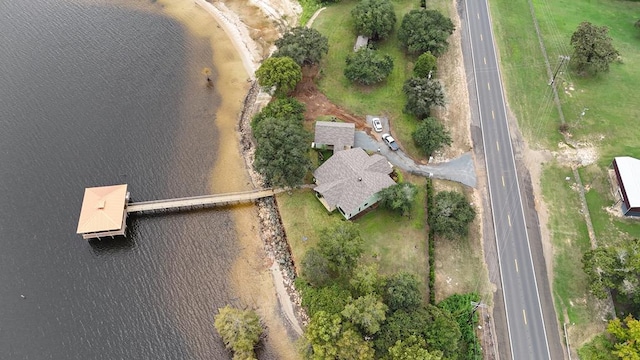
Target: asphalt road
x=528, y=337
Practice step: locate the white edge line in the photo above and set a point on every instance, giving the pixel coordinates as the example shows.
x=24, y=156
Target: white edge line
x=504, y=105
x=484, y=149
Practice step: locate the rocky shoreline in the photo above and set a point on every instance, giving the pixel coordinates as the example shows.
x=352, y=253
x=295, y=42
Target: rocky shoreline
x=272, y=231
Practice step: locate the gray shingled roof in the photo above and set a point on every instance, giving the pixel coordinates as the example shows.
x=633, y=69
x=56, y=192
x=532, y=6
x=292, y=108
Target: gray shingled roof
x=350, y=177
x=340, y=135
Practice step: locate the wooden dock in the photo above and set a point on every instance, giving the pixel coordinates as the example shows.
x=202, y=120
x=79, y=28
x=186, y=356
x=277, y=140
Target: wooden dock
x=201, y=201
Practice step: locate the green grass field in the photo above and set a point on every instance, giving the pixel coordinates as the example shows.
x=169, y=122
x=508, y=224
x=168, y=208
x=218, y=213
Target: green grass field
x=396, y=243
x=608, y=125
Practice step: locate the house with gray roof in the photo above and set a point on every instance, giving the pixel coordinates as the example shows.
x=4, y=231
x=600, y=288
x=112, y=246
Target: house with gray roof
x=334, y=135
x=350, y=181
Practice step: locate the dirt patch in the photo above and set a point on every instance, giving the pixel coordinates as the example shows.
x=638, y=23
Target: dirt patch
x=578, y=154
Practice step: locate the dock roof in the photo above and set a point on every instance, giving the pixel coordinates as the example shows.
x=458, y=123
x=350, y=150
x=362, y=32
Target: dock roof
x=103, y=209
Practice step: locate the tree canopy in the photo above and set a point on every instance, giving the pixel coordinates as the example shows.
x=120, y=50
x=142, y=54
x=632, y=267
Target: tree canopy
x=282, y=151
x=425, y=65
x=412, y=348
x=366, y=280
x=431, y=135
x=304, y=45
x=367, y=66
x=374, y=18
x=425, y=30
x=240, y=331
x=403, y=292
x=279, y=72
x=593, y=48
x=422, y=94
x=366, y=312
x=399, y=197
x=627, y=334
x=329, y=338
x=341, y=245
x=288, y=107
x=452, y=214
x=315, y=268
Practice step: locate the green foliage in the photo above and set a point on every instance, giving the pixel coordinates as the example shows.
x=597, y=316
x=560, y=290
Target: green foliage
x=593, y=48
x=599, y=348
x=366, y=280
x=432, y=245
x=443, y=333
x=374, y=18
x=422, y=94
x=399, y=197
x=424, y=30
x=616, y=269
x=366, y=312
x=282, y=152
x=426, y=64
x=460, y=307
x=331, y=299
x=279, y=72
x=341, y=245
x=315, y=268
x=403, y=292
x=351, y=346
x=367, y=66
x=289, y=108
x=452, y=214
x=240, y=331
x=304, y=45
x=627, y=335
x=430, y=136
x=322, y=333
x=309, y=7
x=412, y=348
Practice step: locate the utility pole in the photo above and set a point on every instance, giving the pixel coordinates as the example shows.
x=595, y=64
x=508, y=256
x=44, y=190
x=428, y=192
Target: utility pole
x=476, y=305
x=555, y=73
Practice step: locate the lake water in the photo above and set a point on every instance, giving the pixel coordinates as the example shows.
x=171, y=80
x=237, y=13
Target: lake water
x=93, y=93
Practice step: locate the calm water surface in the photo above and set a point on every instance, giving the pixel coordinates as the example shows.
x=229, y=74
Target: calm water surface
x=96, y=94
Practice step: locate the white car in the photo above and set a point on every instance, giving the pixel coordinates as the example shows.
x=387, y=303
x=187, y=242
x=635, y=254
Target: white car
x=393, y=145
x=377, y=125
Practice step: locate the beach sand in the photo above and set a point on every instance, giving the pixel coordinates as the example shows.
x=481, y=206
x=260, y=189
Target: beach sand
x=251, y=275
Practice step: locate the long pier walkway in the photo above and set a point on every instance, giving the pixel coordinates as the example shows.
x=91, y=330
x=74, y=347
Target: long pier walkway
x=201, y=201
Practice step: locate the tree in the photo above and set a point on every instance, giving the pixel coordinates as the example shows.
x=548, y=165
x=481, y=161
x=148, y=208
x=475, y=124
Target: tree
x=399, y=197
x=412, y=348
x=422, y=94
x=452, y=214
x=322, y=334
x=403, y=292
x=289, y=108
x=431, y=135
x=341, y=245
x=315, y=268
x=425, y=65
x=281, y=152
x=593, y=48
x=366, y=312
x=366, y=280
x=367, y=66
x=627, y=334
x=374, y=18
x=279, y=72
x=331, y=299
x=240, y=331
x=443, y=333
x=424, y=30
x=304, y=45
x=351, y=346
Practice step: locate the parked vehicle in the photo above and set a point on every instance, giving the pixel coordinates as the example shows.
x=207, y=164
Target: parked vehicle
x=390, y=141
x=377, y=125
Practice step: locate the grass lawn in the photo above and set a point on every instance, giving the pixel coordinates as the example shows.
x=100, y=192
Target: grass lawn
x=385, y=98
x=606, y=125
x=395, y=242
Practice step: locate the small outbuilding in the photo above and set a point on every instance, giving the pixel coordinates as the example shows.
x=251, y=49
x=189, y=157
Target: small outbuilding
x=350, y=181
x=627, y=173
x=361, y=42
x=335, y=136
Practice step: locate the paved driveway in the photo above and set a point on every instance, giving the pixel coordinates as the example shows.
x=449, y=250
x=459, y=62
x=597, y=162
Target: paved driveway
x=460, y=169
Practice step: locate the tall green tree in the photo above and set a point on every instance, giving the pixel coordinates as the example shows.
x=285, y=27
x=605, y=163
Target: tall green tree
x=304, y=45
x=240, y=331
x=282, y=152
x=425, y=65
x=331, y=298
x=627, y=334
x=422, y=94
x=352, y=346
x=431, y=135
x=315, y=268
x=425, y=30
x=412, y=348
x=593, y=48
x=403, y=292
x=374, y=18
x=322, y=334
x=366, y=280
x=452, y=214
x=367, y=66
x=288, y=107
x=366, y=312
x=399, y=197
x=341, y=245
x=279, y=72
